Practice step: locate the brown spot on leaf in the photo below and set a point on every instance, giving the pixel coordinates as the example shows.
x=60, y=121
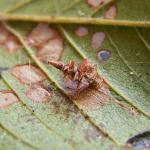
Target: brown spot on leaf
x=40, y=35
x=51, y=50
x=128, y=108
x=7, y=98
x=92, y=99
x=3, y=34
x=111, y=12
x=28, y=74
x=94, y=3
x=37, y=93
x=81, y=31
x=9, y=41
x=12, y=44
x=97, y=40
x=47, y=41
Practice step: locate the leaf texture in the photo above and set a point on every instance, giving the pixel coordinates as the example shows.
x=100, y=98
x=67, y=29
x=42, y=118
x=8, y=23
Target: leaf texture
x=78, y=11
x=59, y=114
x=102, y=117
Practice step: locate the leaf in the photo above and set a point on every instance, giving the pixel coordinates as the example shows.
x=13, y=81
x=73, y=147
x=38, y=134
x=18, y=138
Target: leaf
x=58, y=114
x=107, y=116
x=25, y=125
x=129, y=13
x=21, y=122
x=7, y=141
x=81, y=8
x=127, y=51
x=7, y=6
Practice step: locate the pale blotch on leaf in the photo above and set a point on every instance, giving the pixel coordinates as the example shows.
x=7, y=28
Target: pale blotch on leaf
x=40, y=35
x=81, y=31
x=12, y=44
x=47, y=41
x=7, y=98
x=38, y=93
x=7, y=40
x=92, y=99
x=28, y=74
x=97, y=40
x=3, y=34
x=111, y=12
x=94, y=3
x=51, y=50
x=103, y=55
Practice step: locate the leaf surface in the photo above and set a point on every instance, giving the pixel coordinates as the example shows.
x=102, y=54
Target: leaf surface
x=22, y=123
x=129, y=13
x=7, y=6
x=128, y=53
x=105, y=117
x=59, y=114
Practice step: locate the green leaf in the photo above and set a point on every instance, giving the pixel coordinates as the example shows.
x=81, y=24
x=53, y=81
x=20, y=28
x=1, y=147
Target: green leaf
x=22, y=123
x=39, y=9
x=7, y=5
x=106, y=117
x=129, y=13
x=7, y=142
x=59, y=114
x=7, y=139
x=129, y=58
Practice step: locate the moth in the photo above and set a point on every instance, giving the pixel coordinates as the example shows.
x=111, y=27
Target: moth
x=79, y=77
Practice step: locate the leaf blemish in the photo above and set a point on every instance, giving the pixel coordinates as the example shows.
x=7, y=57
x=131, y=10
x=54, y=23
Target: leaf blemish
x=94, y=3
x=111, y=12
x=28, y=74
x=7, y=98
x=3, y=34
x=92, y=100
x=97, y=40
x=51, y=51
x=47, y=41
x=37, y=93
x=12, y=44
x=81, y=31
x=40, y=35
x=9, y=41
x=103, y=55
